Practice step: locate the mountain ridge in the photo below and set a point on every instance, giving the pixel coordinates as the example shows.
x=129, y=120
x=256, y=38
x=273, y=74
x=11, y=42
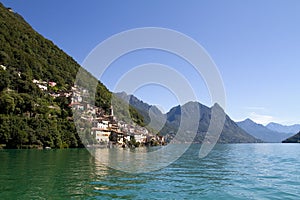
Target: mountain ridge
x=231, y=132
x=284, y=128
x=261, y=132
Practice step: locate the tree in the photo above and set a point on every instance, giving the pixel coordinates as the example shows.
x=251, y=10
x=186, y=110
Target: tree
x=7, y=103
x=4, y=79
x=4, y=129
x=18, y=135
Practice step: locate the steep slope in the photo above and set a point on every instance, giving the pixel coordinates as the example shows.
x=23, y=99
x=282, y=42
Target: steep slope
x=284, y=129
x=34, y=56
x=293, y=139
x=27, y=55
x=30, y=116
x=141, y=106
x=153, y=117
x=261, y=132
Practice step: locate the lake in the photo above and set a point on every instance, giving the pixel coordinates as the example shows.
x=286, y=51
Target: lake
x=231, y=171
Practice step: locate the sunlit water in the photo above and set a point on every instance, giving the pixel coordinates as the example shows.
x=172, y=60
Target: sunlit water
x=235, y=171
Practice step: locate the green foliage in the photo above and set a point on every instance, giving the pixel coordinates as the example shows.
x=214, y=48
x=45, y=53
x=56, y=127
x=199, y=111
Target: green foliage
x=7, y=103
x=103, y=97
x=125, y=112
x=136, y=116
x=29, y=117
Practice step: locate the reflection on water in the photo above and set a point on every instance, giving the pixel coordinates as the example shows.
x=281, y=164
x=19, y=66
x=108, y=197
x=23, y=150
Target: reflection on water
x=139, y=160
x=246, y=171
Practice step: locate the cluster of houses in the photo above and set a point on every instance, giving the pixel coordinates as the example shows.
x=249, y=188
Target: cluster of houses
x=106, y=129
x=43, y=85
x=46, y=85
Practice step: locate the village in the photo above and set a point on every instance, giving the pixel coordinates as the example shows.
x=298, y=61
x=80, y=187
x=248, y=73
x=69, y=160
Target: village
x=106, y=129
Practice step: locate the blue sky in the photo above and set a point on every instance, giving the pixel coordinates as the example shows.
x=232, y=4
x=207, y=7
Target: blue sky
x=255, y=45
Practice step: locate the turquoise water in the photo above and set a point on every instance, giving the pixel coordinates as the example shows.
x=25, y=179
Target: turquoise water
x=235, y=171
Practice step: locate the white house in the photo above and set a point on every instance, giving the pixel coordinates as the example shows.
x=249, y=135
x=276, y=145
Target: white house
x=77, y=106
x=102, y=136
x=42, y=87
x=102, y=125
x=3, y=67
x=140, y=138
x=131, y=130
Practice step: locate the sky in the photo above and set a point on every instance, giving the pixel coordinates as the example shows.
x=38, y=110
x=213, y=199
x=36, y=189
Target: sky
x=255, y=45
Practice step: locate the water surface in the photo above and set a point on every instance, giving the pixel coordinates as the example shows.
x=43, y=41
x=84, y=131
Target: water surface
x=234, y=171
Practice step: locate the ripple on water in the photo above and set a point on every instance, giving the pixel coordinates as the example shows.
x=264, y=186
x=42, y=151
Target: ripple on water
x=245, y=171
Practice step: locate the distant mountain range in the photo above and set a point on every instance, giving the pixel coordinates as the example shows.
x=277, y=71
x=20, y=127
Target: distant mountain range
x=170, y=122
x=261, y=132
x=246, y=131
x=284, y=129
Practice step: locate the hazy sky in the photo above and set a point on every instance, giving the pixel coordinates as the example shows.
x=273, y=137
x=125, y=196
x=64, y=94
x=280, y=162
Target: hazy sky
x=255, y=45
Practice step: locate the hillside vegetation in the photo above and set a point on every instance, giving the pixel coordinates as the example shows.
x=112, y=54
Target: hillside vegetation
x=29, y=116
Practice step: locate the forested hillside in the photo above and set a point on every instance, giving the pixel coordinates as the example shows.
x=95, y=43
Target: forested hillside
x=32, y=71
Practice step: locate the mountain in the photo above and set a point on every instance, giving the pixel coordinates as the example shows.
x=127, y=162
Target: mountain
x=183, y=118
x=141, y=106
x=231, y=132
x=261, y=132
x=284, y=129
x=30, y=116
x=153, y=118
x=293, y=139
